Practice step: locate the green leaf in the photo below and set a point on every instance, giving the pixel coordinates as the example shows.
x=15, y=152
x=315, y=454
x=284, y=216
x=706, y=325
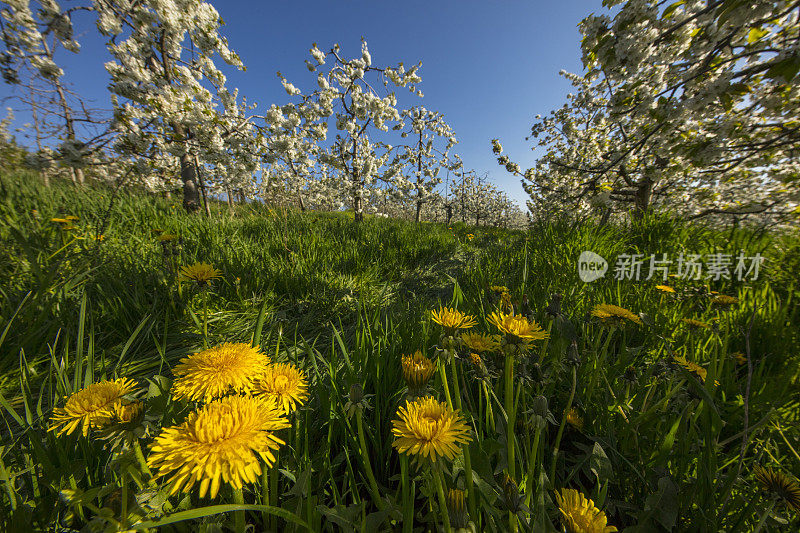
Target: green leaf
x=670, y=10
x=669, y=438
x=600, y=464
x=664, y=504
x=755, y=34
x=212, y=510
x=726, y=101
x=785, y=69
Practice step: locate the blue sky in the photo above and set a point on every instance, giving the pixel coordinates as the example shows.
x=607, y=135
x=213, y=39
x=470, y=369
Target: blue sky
x=488, y=66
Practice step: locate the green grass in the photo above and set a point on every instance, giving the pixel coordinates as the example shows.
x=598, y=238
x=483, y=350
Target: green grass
x=660, y=450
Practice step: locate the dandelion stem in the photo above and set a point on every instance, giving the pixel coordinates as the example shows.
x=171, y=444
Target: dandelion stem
x=265, y=493
x=373, y=485
x=532, y=466
x=489, y=410
x=467, y=459
x=408, y=510
x=438, y=480
x=124, y=502
x=238, y=516
x=443, y=374
x=509, y=407
x=561, y=427
x=511, y=421
x=273, y=494
x=205, y=319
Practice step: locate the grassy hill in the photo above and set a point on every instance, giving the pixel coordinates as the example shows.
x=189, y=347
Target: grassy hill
x=658, y=445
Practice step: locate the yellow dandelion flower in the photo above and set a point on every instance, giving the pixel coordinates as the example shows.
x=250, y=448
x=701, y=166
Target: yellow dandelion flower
x=694, y=368
x=505, y=303
x=417, y=370
x=92, y=407
x=499, y=289
x=457, y=509
x=478, y=342
x=724, y=300
x=740, y=358
x=126, y=412
x=665, y=288
x=429, y=429
x=201, y=273
x=470, y=236
x=695, y=324
x=66, y=223
x=475, y=359
x=781, y=485
x=516, y=328
x=574, y=419
x=452, y=319
x=284, y=382
x=229, y=367
x=71, y=218
x=220, y=442
x=579, y=515
x=614, y=314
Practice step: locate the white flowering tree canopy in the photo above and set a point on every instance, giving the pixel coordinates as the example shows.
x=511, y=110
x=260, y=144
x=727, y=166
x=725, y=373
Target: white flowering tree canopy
x=24, y=34
x=691, y=105
x=426, y=152
x=347, y=100
x=31, y=33
x=169, y=97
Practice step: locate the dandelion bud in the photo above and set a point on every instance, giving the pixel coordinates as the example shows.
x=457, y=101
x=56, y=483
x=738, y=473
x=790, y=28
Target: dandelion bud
x=573, y=355
x=554, y=307
x=536, y=373
x=512, y=500
x=457, y=509
x=417, y=371
x=356, y=393
x=630, y=375
x=539, y=406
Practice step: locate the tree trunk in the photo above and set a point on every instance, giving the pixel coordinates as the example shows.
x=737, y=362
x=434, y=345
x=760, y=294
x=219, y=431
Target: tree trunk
x=358, y=215
x=419, y=178
x=76, y=173
x=229, y=194
x=191, y=194
x=644, y=191
x=43, y=173
x=202, y=186
x=357, y=209
x=605, y=217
